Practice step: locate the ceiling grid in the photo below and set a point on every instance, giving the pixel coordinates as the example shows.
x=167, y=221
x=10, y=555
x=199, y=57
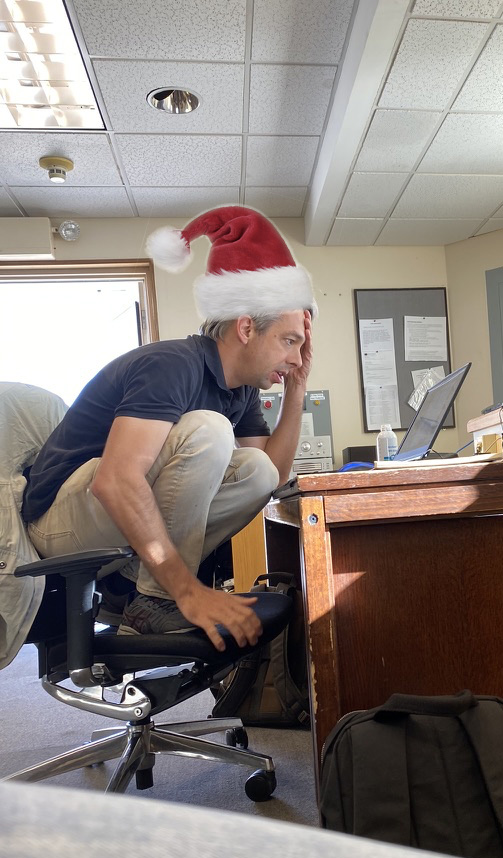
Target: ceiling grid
x=420, y=161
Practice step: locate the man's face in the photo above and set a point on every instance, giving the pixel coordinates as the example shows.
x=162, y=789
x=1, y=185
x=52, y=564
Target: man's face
x=271, y=355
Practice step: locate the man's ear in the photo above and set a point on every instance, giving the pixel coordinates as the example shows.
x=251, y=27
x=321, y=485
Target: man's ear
x=244, y=328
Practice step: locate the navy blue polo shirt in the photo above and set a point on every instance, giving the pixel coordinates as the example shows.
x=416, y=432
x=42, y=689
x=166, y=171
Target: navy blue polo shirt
x=159, y=381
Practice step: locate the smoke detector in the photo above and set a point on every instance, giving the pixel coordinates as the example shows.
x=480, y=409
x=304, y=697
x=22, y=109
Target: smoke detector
x=57, y=167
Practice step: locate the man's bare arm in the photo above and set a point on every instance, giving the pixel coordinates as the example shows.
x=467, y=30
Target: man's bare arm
x=121, y=487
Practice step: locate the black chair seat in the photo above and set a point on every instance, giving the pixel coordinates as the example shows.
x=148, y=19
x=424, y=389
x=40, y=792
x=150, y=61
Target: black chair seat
x=127, y=652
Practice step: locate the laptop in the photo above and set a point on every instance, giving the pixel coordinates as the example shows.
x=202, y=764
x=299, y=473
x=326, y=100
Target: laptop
x=428, y=420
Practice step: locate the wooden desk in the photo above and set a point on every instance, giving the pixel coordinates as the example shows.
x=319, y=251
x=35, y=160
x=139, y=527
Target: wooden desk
x=402, y=578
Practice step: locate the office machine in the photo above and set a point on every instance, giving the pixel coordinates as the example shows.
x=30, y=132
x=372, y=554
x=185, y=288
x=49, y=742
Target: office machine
x=314, y=450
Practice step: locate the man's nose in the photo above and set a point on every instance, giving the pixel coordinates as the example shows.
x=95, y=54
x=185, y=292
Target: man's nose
x=296, y=358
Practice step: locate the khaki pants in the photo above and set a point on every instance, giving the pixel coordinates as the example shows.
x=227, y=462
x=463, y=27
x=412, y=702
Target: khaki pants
x=206, y=490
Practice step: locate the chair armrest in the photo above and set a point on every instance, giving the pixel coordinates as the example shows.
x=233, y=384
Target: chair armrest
x=80, y=570
x=71, y=564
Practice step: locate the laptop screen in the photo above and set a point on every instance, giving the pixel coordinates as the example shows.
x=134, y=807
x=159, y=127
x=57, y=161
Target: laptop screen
x=430, y=416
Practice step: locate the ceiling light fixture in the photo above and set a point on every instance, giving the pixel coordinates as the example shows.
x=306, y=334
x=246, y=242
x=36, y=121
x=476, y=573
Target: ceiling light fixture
x=57, y=167
x=43, y=79
x=68, y=230
x=173, y=100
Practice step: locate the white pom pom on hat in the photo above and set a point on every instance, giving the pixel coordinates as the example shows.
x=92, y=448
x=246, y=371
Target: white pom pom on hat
x=168, y=249
x=250, y=269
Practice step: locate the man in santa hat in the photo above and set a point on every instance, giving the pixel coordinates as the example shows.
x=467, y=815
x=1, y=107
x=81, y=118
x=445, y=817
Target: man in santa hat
x=166, y=448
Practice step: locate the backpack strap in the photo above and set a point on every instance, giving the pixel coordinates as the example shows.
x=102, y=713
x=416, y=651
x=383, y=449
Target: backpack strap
x=484, y=727
x=381, y=805
x=293, y=701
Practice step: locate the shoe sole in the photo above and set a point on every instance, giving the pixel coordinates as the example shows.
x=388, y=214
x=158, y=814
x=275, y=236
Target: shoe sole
x=127, y=630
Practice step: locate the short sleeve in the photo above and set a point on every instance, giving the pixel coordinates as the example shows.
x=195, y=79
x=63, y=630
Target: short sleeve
x=159, y=389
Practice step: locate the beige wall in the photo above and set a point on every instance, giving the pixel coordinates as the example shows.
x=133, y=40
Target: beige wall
x=466, y=263
x=336, y=271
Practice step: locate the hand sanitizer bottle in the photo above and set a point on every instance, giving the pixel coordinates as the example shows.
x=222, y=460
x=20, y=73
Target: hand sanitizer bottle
x=387, y=443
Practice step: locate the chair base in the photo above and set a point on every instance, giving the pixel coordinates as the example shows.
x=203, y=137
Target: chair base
x=137, y=743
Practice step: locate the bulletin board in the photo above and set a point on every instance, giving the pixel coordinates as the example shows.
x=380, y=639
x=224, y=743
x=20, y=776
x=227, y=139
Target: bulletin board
x=401, y=333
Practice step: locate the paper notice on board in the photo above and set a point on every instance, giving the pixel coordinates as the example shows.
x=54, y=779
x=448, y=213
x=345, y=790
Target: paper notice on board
x=425, y=338
x=378, y=352
x=381, y=406
x=379, y=372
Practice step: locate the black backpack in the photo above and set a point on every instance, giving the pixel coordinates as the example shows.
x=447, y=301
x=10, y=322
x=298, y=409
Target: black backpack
x=419, y=771
x=269, y=687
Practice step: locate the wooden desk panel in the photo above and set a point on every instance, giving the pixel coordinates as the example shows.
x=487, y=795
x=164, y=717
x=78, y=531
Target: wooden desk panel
x=402, y=579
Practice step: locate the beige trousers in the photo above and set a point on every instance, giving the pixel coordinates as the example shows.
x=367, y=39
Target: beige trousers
x=206, y=490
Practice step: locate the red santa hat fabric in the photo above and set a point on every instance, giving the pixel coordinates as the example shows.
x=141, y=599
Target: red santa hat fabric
x=250, y=269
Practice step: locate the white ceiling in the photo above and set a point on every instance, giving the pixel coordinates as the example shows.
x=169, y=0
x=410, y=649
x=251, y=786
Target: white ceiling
x=379, y=121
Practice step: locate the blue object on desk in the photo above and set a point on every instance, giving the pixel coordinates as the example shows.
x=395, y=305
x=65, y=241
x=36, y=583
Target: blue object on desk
x=356, y=466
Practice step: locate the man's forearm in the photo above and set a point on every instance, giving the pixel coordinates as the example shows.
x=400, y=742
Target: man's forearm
x=282, y=444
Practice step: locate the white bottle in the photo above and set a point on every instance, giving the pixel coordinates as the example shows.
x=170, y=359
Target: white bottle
x=387, y=443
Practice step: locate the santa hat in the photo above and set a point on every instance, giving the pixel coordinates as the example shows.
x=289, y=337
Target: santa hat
x=250, y=270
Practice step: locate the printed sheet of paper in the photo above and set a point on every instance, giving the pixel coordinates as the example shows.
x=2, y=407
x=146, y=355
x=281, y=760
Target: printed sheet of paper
x=425, y=338
x=381, y=406
x=379, y=372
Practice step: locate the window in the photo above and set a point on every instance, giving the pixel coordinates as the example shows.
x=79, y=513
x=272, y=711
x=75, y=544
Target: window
x=63, y=322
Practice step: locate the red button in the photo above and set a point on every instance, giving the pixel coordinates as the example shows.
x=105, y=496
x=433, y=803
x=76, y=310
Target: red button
x=267, y=404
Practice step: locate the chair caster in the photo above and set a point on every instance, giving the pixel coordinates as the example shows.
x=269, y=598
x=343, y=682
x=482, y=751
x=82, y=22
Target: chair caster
x=144, y=779
x=237, y=737
x=260, y=785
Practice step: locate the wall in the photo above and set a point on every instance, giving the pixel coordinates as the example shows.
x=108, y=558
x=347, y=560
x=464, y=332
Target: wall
x=466, y=264
x=335, y=271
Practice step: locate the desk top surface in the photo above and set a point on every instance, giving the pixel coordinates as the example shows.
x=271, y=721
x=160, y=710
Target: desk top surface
x=335, y=481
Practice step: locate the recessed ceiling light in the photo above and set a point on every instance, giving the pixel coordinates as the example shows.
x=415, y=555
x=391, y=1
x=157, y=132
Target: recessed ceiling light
x=173, y=100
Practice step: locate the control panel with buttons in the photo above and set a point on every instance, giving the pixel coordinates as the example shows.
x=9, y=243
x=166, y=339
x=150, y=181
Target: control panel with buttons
x=314, y=450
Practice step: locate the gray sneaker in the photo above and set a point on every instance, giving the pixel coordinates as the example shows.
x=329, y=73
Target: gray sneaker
x=149, y=615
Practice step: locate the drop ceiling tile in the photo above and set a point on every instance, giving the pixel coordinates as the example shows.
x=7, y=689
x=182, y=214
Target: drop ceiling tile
x=276, y=161
x=436, y=196
x=492, y=225
x=181, y=202
x=212, y=30
x=370, y=195
x=7, y=207
x=466, y=143
x=276, y=202
x=180, y=160
x=430, y=232
x=125, y=85
x=395, y=140
x=351, y=232
x=74, y=202
x=289, y=99
x=483, y=90
x=457, y=8
x=286, y=32
x=430, y=63
x=91, y=154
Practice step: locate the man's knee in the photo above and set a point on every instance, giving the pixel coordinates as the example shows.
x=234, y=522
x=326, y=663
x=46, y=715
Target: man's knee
x=254, y=464
x=203, y=438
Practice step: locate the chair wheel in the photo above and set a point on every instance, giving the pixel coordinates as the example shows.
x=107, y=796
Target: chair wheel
x=237, y=737
x=260, y=785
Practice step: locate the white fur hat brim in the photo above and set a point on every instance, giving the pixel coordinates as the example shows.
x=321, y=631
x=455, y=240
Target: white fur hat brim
x=231, y=294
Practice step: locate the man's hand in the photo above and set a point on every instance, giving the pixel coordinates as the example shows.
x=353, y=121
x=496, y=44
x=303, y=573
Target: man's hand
x=206, y=608
x=300, y=375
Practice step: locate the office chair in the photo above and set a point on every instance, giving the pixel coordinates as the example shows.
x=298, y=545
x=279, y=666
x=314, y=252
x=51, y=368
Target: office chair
x=100, y=664
x=172, y=668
